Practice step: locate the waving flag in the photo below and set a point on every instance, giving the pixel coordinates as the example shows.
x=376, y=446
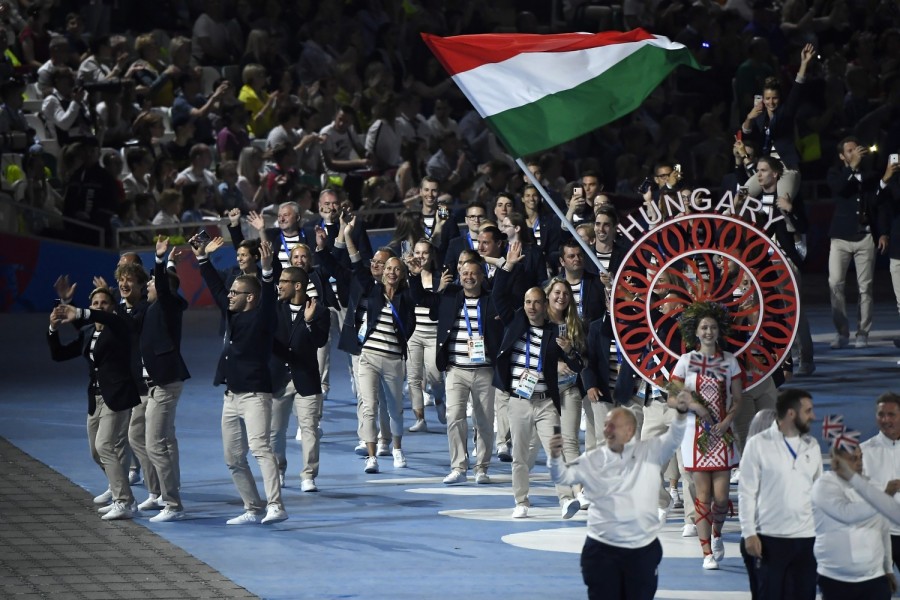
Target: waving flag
x=832, y=427
x=538, y=91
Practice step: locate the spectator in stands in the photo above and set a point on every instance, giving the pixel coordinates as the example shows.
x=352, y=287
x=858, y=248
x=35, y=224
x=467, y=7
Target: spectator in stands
x=148, y=128
x=179, y=147
x=170, y=204
x=60, y=53
x=249, y=180
x=259, y=104
x=449, y=165
x=192, y=197
x=65, y=112
x=383, y=139
x=12, y=119
x=140, y=164
x=91, y=193
x=149, y=73
x=101, y=65
x=440, y=123
x=214, y=41
x=41, y=195
x=163, y=176
x=261, y=51
x=289, y=131
x=115, y=114
x=34, y=38
x=227, y=175
x=190, y=102
x=233, y=137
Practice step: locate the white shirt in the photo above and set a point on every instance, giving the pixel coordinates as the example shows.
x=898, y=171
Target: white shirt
x=623, y=488
x=775, y=488
x=852, y=541
x=881, y=463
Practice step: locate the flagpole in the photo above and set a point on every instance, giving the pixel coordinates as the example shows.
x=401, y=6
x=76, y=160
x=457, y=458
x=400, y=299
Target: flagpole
x=588, y=251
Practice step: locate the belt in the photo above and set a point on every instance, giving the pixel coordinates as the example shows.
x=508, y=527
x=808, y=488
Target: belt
x=536, y=396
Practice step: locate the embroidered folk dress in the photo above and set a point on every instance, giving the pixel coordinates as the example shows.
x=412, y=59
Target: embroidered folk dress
x=710, y=377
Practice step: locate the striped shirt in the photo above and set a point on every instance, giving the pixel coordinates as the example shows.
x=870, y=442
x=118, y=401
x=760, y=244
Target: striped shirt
x=383, y=339
x=428, y=223
x=286, y=243
x=576, y=297
x=425, y=326
x=311, y=291
x=534, y=350
x=295, y=310
x=459, y=336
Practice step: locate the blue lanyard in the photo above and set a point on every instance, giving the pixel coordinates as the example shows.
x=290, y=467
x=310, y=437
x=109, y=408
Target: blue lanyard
x=466, y=315
x=471, y=243
x=791, y=450
x=540, y=364
x=581, y=300
x=536, y=227
x=397, y=318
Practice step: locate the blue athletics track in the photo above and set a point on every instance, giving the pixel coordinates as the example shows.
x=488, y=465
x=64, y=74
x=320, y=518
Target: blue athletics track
x=400, y=534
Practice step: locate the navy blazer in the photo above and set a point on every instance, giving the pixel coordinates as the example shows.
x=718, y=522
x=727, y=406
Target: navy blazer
x=112, y=360
x=296, y=344
x=851, y=197
x=516, y=325
x=161, y=332
x=368, y=299
x=782, y=129
x=244, y=362
x=551, y=237
x=448, y=304
x=595, y=373
x=450, y=249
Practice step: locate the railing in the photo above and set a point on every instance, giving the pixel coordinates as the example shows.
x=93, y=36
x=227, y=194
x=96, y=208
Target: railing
x=11, y=212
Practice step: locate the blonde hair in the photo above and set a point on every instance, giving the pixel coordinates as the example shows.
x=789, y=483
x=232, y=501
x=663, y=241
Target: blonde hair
x=573, y=321
x=252, y=71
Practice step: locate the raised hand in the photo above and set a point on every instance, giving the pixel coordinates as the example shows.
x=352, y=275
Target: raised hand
x=321, y=238
x=515, y=253
x=234, y=217
x=310, y=310
x=99, y=282
x=214, y=244
x=64, y=291
x=162, y=245
x=256, y=220
x=265, y=255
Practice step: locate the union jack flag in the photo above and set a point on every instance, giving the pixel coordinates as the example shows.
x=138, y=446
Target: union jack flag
x=848, y=440
x=709, y=366
x=832, y=427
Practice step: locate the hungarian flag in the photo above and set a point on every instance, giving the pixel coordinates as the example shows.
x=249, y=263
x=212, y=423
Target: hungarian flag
x=539, y=91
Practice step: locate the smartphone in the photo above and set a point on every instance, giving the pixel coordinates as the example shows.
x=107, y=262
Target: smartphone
x=757, y=100
x=57, y=301
x=443, y=212
x=743, y=191
x=577, y=192
x=894, y=159
x=557, y=430
x=678, y=168
x=405, y=248
x=563, y=330
x=346, y=215
x=739, y=136
x=200, y=239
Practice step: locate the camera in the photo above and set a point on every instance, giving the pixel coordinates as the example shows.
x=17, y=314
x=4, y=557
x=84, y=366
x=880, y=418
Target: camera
x=346, y=215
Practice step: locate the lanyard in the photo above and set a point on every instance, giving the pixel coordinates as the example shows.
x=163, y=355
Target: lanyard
x=536, y=227
x=396, y=317
x=581, y=298
x=466, y=315
x=540, y=364
x=791, y=450
x=471, y=243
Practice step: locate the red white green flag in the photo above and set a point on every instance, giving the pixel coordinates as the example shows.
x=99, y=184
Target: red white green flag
x=539, y=91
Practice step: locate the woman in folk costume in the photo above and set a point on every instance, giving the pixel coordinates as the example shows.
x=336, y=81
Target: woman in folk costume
x=715, y=381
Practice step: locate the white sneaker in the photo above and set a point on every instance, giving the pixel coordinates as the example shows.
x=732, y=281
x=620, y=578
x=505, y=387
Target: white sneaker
x=718, y=548
x=862, y=341
x=520, y=511
x=119, y=511
x=383, y=449
x=371, y=465
x=299, y=436
x=570, y=509
x=582, y=500
x=361, y=449
x=482, y=478
x=442, y=413
x=419, y=425
x=677, y=501
x=151, y=503
x=134, y=477
x=104, y=498
x=274, y=514
x=709, y=563
x=503, y=453
x=251, y=517
x=167, y=514
x=735, y=476
x=664, y=512
x=399, y=459
x=429, y=399
x=457, y=477
x=308, y=485
x=689, y=530
x=103, y=510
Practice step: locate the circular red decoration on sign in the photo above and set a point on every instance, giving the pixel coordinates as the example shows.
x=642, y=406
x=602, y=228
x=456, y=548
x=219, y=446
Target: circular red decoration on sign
x=705, y=257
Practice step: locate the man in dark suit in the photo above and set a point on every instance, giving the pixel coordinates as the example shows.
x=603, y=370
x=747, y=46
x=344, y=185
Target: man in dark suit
x=160, y=343
x=468, y=337
x=450, y=248
x=302, y=328
x=106, y=344
x=526, y=368
x=332, y=221
x=250, y=315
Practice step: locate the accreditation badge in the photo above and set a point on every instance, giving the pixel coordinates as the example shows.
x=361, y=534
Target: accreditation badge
x=476, y=350
x=526, y=384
